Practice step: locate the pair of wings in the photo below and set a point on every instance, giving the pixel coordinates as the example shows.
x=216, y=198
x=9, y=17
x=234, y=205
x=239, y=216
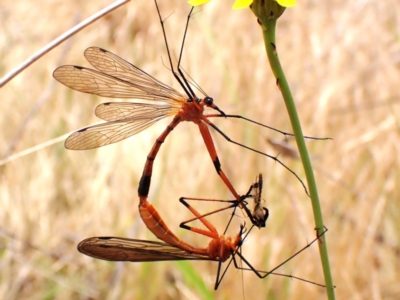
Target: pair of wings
x=122, y=249
x=117, y=78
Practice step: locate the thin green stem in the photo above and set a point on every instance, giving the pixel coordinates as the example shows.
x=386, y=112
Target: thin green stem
x=268, y=28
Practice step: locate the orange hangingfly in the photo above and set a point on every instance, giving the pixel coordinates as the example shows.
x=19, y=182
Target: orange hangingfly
x=116, y=78
x=135, y=250
x=219, y=249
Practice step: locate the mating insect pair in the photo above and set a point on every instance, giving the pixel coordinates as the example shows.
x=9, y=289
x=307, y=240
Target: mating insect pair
x=117, y=78
x=219, y=249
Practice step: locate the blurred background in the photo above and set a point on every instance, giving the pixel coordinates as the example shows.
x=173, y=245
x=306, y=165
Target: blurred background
x=342, y=61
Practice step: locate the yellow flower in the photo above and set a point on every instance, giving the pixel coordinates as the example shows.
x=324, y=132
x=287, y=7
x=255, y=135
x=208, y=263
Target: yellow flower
x=197, y=2
x=239, y=4
x=286, y=3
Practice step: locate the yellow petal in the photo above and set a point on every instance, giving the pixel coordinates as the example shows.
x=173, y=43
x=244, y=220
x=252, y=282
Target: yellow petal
x=286, y=3
x=239, y=4
x=197, y=2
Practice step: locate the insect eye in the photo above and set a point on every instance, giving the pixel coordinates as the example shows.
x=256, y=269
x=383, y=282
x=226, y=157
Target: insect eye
x=208, y=100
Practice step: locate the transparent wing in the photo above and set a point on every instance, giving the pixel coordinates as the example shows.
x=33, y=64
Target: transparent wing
x=121, y=249
x=116, y=78
x=94, y=82
x=104, y=134
x=114, y=111
x=116, y=66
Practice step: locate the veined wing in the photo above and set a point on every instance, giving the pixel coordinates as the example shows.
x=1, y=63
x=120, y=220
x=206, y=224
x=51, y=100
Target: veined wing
x=113, y=65
x=108, y=133
x=94, y=82
x=122, y=249
x=259, y=213
x=114, y=111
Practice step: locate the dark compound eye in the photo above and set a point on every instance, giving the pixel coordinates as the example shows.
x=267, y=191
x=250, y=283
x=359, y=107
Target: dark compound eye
x=208, y=100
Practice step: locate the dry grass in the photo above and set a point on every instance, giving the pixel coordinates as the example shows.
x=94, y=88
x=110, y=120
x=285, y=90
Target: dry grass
x=342, y=60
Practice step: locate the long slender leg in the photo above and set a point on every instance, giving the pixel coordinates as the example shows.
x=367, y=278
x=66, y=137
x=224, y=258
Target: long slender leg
x=211, y=232
x=266, y=273
x=256, y=151
x=263, y=125
x=231, y=204
x=186, y=87
x=158, y=227
x=205, y=133
x=258, y=217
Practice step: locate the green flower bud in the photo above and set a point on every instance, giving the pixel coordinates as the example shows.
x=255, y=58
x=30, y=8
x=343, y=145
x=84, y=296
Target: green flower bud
x=267, y=10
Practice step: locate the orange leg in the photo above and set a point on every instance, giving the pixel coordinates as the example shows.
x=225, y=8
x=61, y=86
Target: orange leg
x=219, y=247
x=205, y=133
x=258, y=217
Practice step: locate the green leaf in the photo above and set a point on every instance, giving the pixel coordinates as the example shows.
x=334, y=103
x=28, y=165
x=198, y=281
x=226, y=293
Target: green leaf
x=194, y=280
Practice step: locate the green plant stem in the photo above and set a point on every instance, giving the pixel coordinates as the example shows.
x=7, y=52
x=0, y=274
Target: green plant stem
x=268, y=28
